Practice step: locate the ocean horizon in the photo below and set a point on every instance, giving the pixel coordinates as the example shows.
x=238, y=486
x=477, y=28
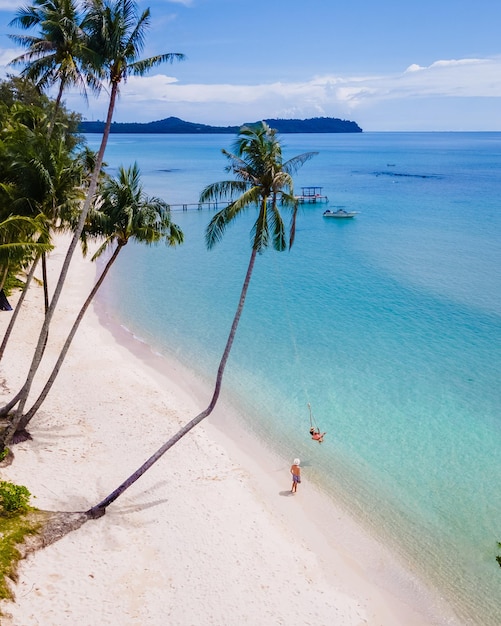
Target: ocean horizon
x=387, y=325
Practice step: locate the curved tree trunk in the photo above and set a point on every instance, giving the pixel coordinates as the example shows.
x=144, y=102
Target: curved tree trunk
x=26, y=418
x=13, y=319
x=37, y=357
x=45, y=283
x=100, y=509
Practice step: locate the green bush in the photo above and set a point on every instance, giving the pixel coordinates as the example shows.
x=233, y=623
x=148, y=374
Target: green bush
x=13, y=497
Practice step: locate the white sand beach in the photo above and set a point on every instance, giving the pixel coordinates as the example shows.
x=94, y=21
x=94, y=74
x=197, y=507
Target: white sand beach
x=210, y=535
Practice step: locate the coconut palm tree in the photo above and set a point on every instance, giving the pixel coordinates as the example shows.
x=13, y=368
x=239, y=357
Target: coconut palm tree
x=39, y=176
x=116, y=36
x=263, y=181
x=20, y=241
x=125, y=213
x=58, y=54
x=31, y=237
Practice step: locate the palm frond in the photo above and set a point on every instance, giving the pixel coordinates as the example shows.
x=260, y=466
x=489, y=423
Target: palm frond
x=222, y=190
x=277, y=227
x=139, y=68
x=260, y=233
x=292, y=165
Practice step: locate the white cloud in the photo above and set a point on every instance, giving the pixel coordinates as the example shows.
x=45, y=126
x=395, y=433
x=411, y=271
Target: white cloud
x=6, y=56
x=444, y=78
x=358, y=98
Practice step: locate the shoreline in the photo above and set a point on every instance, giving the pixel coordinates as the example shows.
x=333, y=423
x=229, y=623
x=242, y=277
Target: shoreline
x=211, y=534
x=349, y=556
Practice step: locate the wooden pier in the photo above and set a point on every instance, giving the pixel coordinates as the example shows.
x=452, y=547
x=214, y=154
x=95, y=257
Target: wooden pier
x=199, y=206
x=311, y=195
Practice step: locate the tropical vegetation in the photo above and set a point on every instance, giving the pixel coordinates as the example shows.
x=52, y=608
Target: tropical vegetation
x=14, y=527
x=111, y=36
x=124, y=213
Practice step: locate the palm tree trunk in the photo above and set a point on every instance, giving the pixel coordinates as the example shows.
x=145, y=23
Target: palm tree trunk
x=57, y=103
x=37, y=357
x=100, y=509
x=17, y=309
x=4, y=276
x=45, y=283
x=26, y=418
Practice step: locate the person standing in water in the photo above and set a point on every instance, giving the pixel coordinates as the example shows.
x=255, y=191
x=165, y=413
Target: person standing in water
x=296, y=475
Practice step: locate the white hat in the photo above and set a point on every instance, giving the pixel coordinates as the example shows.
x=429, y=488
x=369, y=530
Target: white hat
x=297, y=461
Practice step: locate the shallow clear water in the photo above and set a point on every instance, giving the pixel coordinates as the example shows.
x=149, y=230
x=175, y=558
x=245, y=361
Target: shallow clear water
x=389, y=325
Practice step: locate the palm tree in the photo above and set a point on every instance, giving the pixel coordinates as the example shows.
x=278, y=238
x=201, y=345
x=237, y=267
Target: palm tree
x=262, y=180
x=125, y=213
x=30, y=236
x=20, y=241
x=40, y=177
x=116, y=35
x=59, y=53
x=47, y=177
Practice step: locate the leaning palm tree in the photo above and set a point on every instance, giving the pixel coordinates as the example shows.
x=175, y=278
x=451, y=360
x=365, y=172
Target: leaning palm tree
x=125, y=213
x=116, y=35
x=263, y=181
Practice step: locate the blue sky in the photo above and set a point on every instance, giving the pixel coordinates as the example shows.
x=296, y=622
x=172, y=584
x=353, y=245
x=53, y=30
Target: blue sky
x=389, y=65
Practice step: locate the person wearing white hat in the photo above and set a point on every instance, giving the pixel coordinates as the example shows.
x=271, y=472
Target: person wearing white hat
x=296, y=474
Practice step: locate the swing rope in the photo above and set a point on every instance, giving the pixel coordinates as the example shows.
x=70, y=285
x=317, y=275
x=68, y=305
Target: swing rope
x=289, y=324
x=312, y=419
x=293, y=340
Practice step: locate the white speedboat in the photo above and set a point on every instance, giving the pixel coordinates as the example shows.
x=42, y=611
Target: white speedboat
x=340, y=213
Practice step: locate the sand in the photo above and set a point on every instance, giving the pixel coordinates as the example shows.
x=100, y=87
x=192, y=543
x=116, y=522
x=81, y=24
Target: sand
x=210, y=535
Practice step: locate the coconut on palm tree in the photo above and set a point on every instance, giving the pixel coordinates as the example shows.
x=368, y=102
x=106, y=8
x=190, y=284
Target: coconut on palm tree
x=125, y=212
x=264, y=182
x=115, y=34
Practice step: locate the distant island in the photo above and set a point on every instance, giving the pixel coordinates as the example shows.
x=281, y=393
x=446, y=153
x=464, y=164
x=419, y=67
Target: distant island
x=174, y=125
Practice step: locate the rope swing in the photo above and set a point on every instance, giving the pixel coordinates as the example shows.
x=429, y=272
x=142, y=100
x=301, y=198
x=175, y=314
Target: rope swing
x=315, y=433
x=312, y=421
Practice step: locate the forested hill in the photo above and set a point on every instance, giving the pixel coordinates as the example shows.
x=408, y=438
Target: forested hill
x=174, y=125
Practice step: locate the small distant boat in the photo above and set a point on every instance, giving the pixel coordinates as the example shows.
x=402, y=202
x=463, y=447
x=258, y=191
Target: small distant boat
x=340, y=213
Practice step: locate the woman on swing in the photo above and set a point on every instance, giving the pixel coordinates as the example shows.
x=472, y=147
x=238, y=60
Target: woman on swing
x=316, y=434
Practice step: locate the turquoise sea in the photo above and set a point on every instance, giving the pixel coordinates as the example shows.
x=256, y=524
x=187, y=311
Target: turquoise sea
x=389, y=325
